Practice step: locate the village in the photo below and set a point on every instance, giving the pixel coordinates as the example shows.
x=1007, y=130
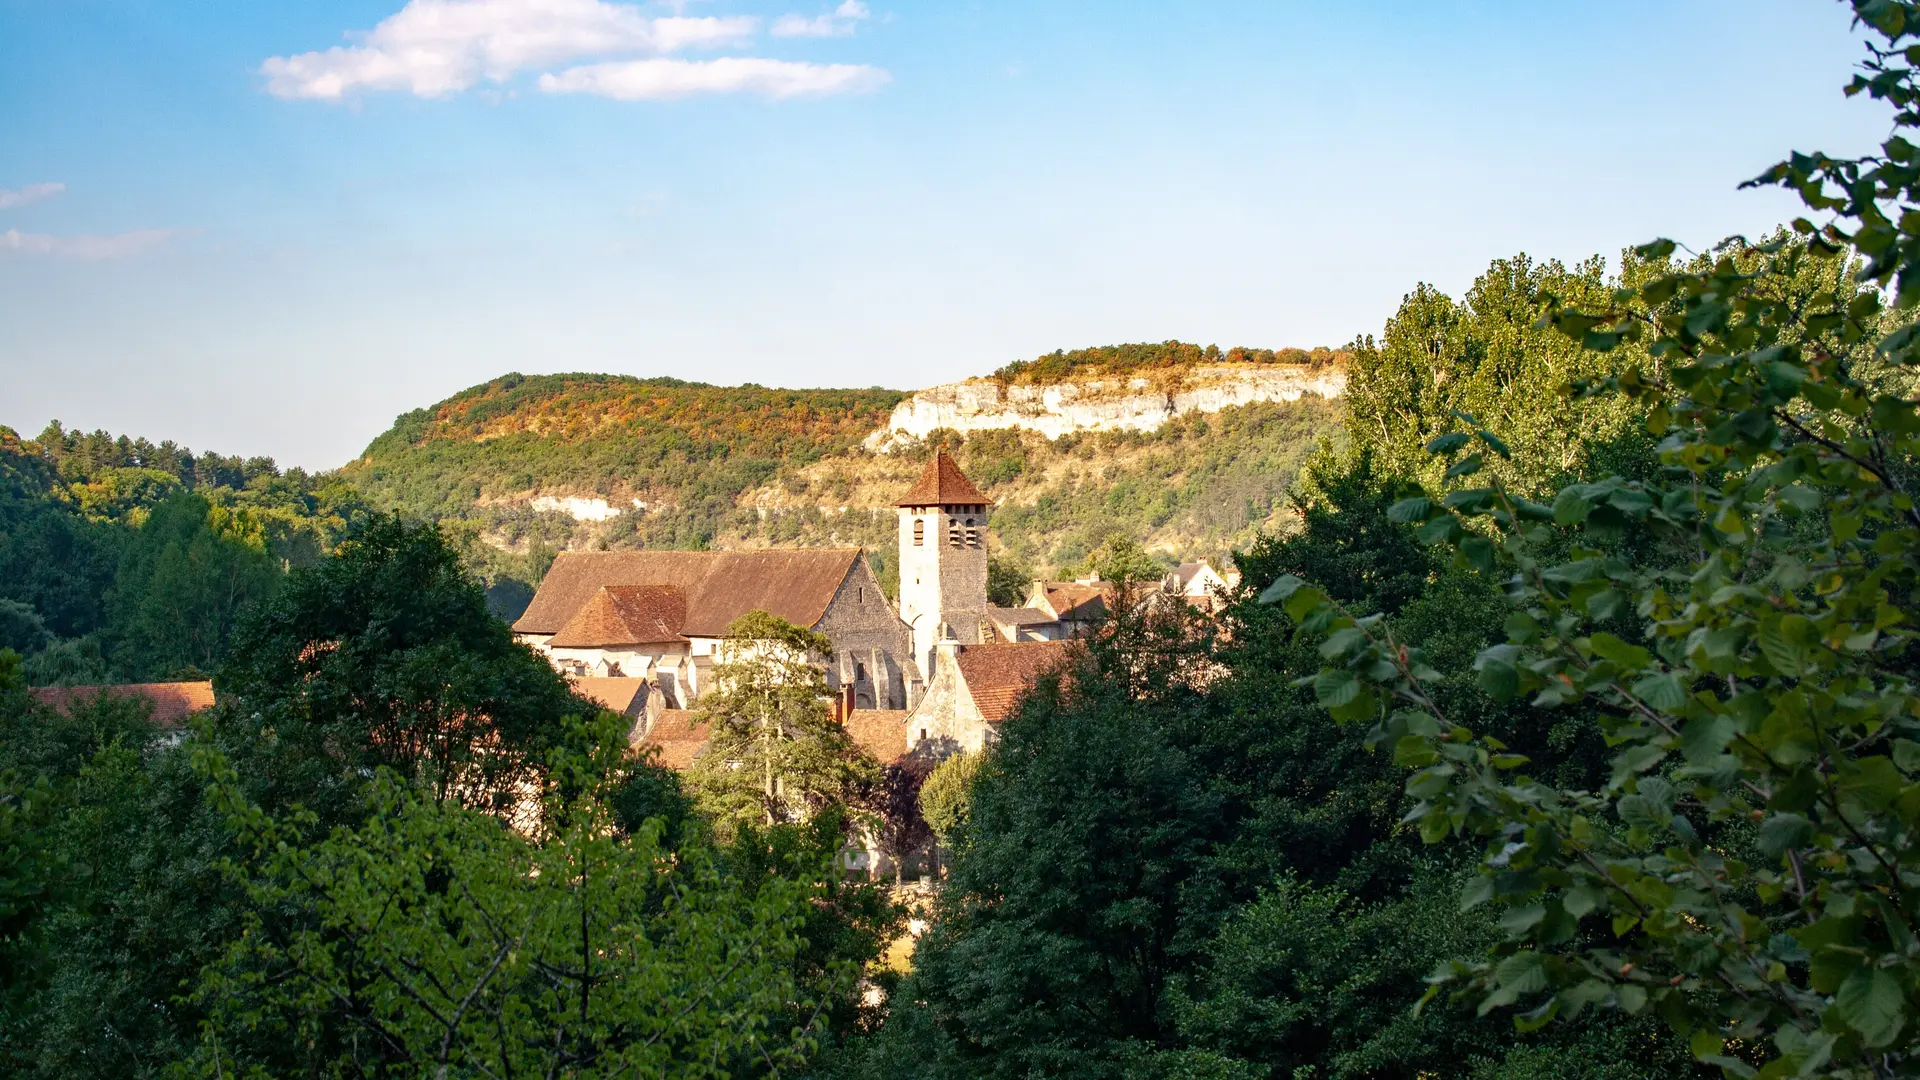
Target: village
x=642, y=633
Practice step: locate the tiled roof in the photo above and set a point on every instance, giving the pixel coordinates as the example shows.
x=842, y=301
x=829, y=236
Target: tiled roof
x=1076, y=601
x=719, y=586
x=882, y=733
x=626, y=615
x=943, y=484
x=617, y=695
x=172, y=701
x=678, y=738
x=1019, y=616
x=996, y=675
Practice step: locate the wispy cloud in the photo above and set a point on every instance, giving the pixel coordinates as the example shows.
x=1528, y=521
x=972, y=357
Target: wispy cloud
x=115, y=246
x=658, y=80
x=433, y=48
x=32, y=193
x=838, y=24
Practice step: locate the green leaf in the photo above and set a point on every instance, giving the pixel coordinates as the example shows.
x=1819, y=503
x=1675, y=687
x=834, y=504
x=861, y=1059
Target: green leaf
x=1479, y=890
x=1629, y=657
x=1466, y=466
x=1871, y=1003
x=1335, y=688
x=1782, y=832
x=1662, y=691
x=1706, y=1043
x=1571, y=506
x=1278, y=592
x=1448, y=443
x=1494, y=443
x=1411, y=510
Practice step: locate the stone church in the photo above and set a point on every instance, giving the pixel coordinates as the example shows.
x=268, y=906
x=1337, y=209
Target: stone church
x=648, y=626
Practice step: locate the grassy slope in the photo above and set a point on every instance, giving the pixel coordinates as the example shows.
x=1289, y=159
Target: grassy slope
x=750, y=466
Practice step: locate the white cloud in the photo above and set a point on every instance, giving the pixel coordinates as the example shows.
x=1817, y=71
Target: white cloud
x=838, y=24
x=656, y=80
x=116, y=246
x=432, y=48
x=32, y=193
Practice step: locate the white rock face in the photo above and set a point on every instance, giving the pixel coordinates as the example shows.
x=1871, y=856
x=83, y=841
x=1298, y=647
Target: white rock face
x=1098, y=405
x=580, y=509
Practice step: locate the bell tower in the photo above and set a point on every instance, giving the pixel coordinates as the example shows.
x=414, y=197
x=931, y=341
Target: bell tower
x=943, y=559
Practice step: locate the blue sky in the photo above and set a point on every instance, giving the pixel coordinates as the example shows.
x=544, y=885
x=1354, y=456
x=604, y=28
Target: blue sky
x=213, y=229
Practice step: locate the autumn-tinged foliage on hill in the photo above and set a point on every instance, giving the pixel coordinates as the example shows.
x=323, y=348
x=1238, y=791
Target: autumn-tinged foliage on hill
x=659, y=440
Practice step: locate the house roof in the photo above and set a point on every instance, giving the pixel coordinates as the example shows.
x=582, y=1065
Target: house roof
x=1187, y=571
x=997, y=675
x=625, y=615
x=1019, y=616
x=678, y=738
x=1076, y=601
x=172, y=702
x=882, y=733
x=942, y=484
x=615, y=695
x=719, y=586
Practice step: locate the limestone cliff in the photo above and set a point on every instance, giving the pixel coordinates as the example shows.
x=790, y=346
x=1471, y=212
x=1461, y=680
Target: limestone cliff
x=1111, y=404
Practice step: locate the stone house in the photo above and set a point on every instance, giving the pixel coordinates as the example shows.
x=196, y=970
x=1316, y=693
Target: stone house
x=973, y=689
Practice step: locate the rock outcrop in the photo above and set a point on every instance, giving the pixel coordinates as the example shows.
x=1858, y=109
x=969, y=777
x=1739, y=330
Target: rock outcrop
x=1138, y=404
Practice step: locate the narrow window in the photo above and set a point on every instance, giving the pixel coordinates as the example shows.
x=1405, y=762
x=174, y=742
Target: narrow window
x=919, y=532
x=923, y=734
x=953, y=532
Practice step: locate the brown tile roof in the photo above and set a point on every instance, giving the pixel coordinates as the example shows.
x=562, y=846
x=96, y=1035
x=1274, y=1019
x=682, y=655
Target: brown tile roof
x=626, y=615
x=720, y=586
x=618, y=695
x=942, y=484
x=882, y=733
x=678, y=738
x=1076, y=601
x=1019, y=616
x=996, y=675
x=172, y=701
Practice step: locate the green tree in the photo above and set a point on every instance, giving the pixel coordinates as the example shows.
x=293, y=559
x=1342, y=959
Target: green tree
x=186, y=576
x=773, y=754
x=1008, y=580
x=1746, y=871
x=945, y=793
x=434, y=939
x=385, y=656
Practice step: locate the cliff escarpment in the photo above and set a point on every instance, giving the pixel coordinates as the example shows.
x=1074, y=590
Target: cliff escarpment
x=1120, y=403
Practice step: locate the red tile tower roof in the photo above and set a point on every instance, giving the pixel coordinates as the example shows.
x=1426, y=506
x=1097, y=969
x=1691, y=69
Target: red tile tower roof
x=943, y=484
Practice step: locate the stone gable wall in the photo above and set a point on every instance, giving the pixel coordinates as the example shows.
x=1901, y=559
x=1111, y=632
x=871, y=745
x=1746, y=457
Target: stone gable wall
x=861, y=623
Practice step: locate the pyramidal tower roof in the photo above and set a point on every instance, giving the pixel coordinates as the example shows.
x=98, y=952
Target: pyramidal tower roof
x=943, y=484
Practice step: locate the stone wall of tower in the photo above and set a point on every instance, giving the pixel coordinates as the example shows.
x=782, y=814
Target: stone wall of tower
x=943, y=577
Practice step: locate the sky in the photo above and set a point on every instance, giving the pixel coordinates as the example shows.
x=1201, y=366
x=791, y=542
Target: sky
x=271, y=228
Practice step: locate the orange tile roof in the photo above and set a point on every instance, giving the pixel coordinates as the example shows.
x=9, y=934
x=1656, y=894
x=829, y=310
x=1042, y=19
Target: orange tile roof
x=720, y=586
x=997, y=675
x=1076, y=601
x=678, y=737
x=171, y=702
x=943, y=484
x=626, y=615
x=882, y=733
x=617, y=695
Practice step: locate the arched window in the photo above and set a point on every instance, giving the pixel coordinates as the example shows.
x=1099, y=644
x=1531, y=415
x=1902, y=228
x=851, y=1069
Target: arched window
x=953, y=532
x=919, y=532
